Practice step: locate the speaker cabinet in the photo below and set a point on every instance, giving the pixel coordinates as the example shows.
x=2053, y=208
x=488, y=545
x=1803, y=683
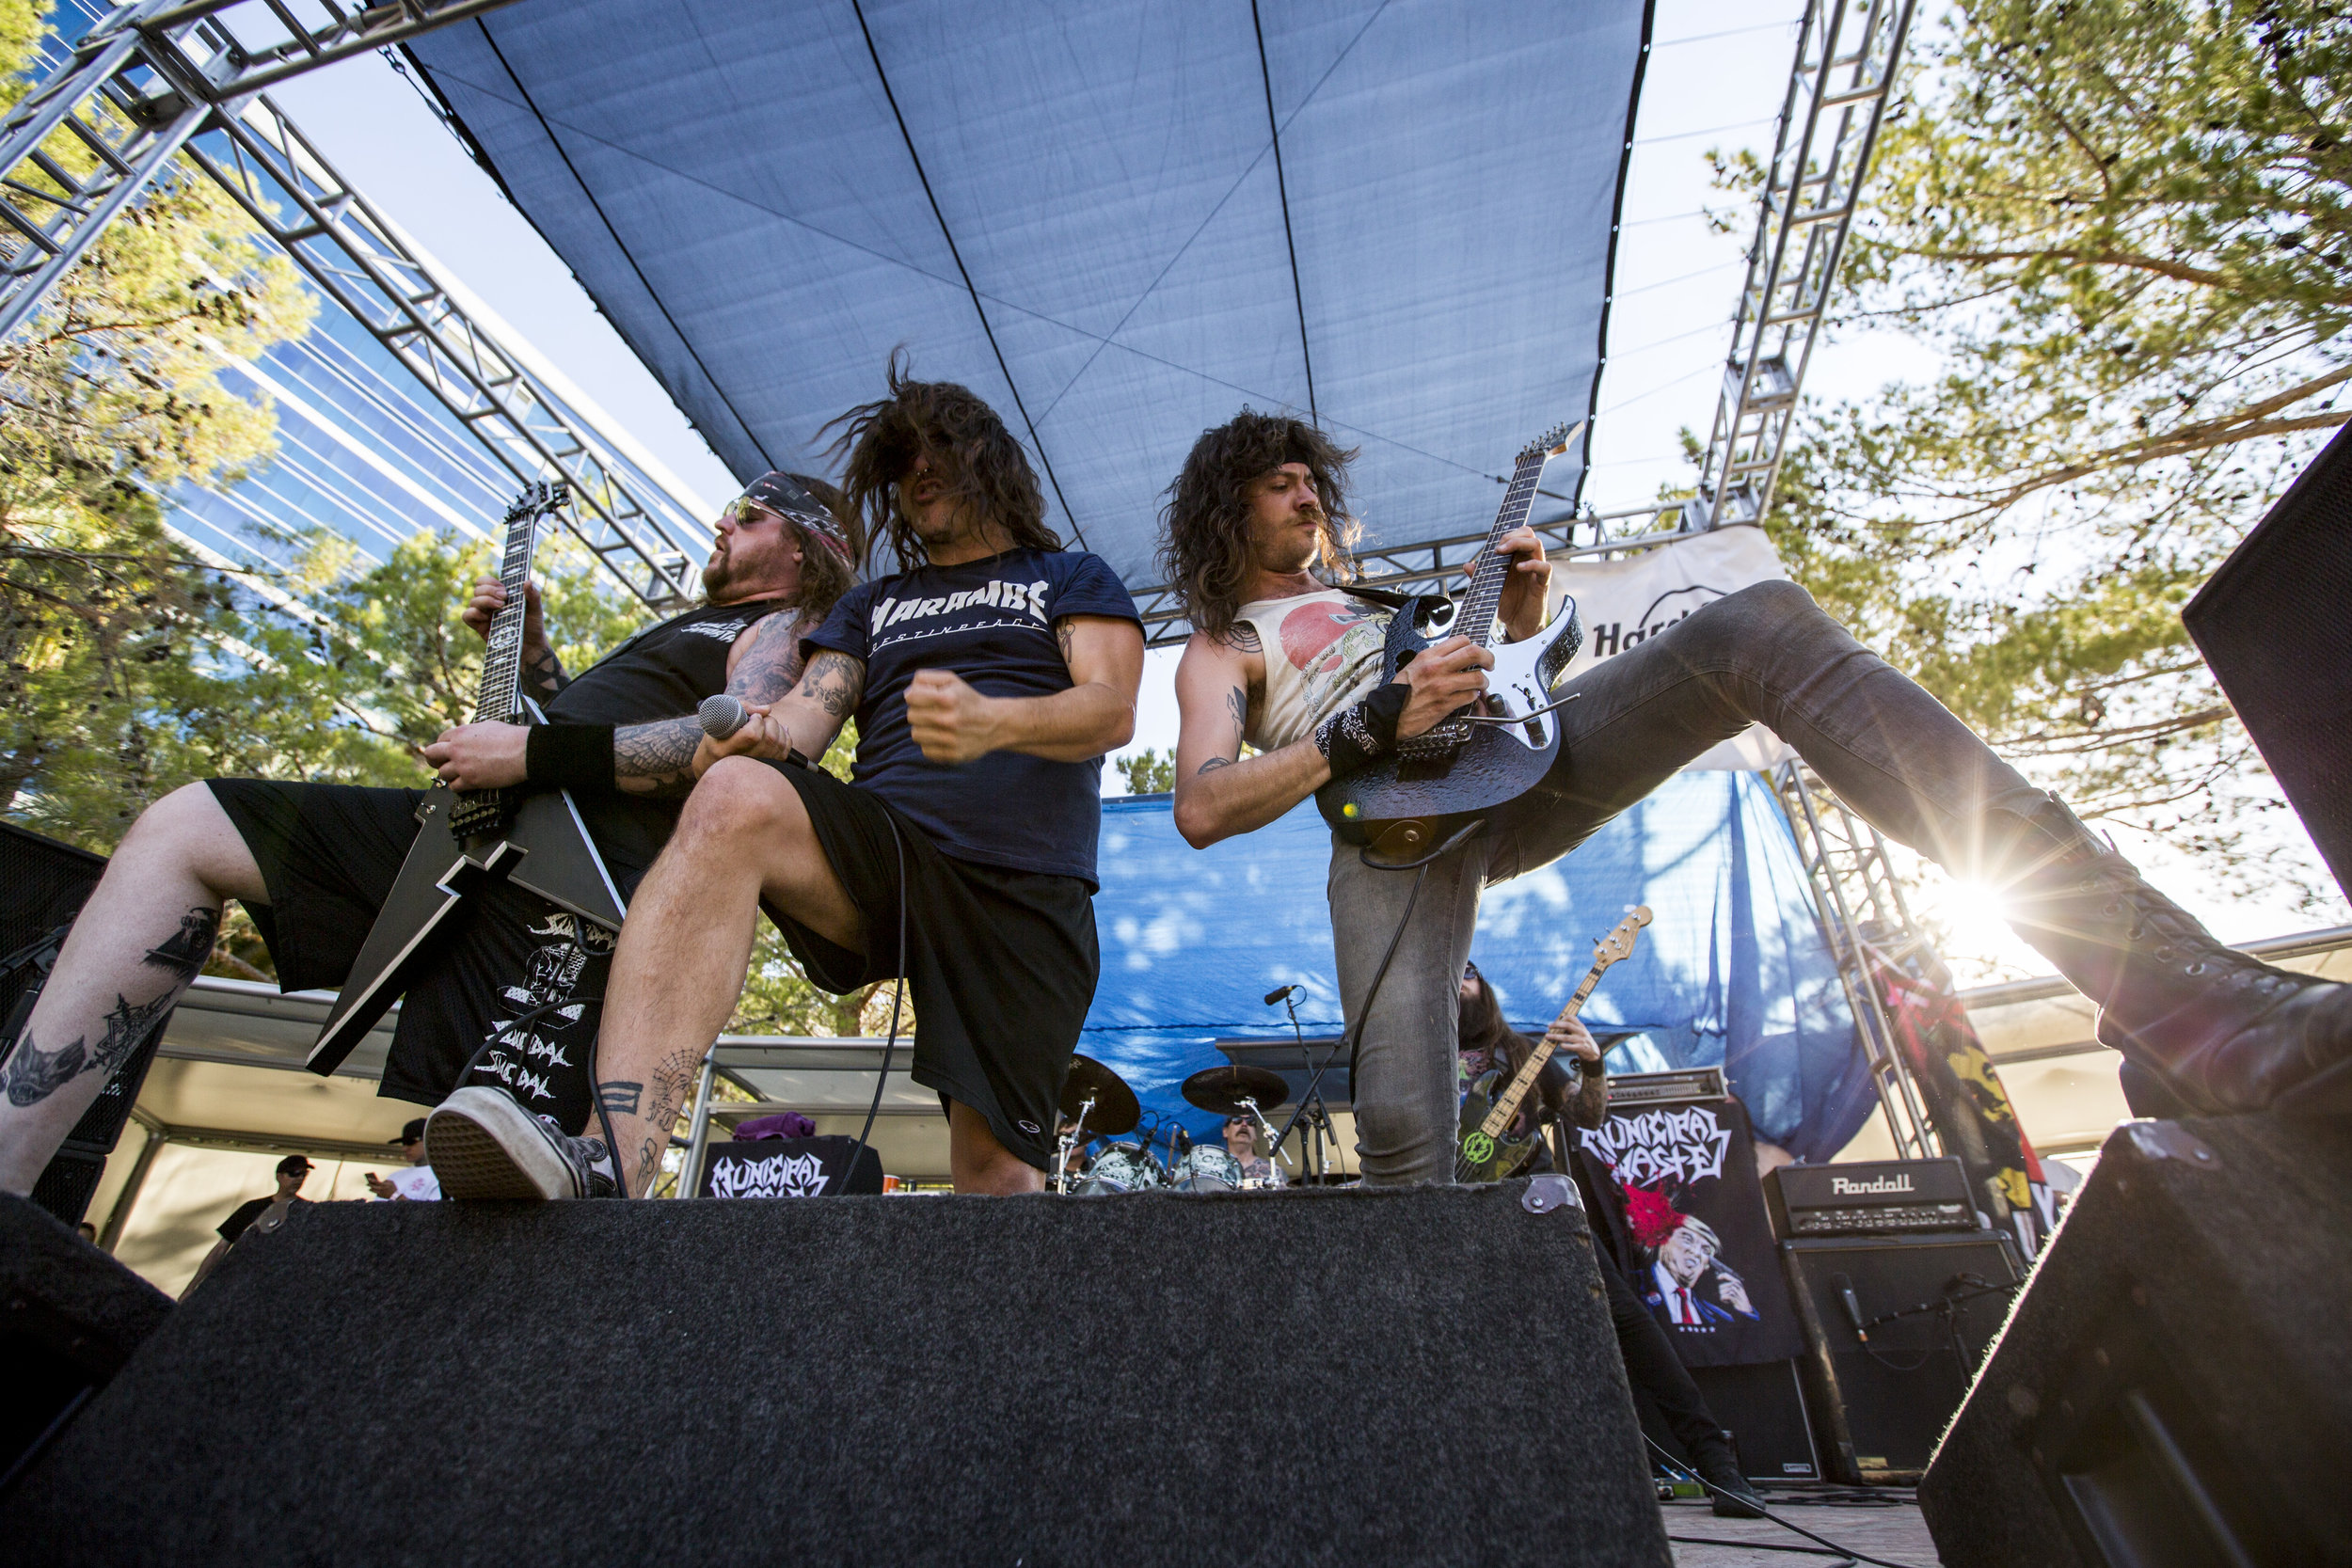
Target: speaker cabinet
x=2271, y=625
x=2175, y=1386
x=1329, y=1376
x=1763, y=1408
x=69, y=1318
x=1927, y=1306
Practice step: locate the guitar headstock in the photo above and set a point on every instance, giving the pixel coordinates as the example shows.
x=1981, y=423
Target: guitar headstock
x=1619, y=944
x=538, y=500
x=1551, y=443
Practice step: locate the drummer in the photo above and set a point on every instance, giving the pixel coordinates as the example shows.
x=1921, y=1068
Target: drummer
x=1241, y=1142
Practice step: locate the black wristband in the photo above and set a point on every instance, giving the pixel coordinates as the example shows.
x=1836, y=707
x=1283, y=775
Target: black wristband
x=569, y=757
x=1364, y=731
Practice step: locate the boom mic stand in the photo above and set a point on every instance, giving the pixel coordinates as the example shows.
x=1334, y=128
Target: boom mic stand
x=1310, y=1106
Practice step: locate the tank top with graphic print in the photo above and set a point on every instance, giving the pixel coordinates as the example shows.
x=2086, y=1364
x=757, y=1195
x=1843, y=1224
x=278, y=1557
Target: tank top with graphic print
x=1322, y=652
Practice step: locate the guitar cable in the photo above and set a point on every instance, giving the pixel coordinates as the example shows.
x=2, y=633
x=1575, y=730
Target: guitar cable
x=1847, y=1552
x=898, y=994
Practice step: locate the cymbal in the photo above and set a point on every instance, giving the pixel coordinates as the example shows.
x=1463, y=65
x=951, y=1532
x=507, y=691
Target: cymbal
x=1115, y=1108
x=1223, y=1088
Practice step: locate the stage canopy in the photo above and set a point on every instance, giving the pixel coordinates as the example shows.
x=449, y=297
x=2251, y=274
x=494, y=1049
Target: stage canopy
x=1116, y=222
x=1732, y=972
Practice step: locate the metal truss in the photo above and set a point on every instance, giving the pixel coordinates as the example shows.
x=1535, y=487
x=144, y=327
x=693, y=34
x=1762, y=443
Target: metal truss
x=357, y=258
x=145, y=79
x=1846, y=57
x=1860, y=903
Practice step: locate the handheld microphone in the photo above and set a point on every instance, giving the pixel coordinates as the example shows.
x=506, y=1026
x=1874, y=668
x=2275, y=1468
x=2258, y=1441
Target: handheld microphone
x=1846, y=1298
x=1277, y=993
x=723, y=714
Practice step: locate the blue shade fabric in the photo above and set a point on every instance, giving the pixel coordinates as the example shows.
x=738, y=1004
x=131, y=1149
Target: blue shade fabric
x=1078, y=211
x=1732, y=972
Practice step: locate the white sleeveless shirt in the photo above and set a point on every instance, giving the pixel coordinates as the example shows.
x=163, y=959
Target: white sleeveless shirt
x=1322, y=652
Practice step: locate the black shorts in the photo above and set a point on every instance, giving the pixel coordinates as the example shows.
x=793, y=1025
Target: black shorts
x=329, y=855
x=1000, y=965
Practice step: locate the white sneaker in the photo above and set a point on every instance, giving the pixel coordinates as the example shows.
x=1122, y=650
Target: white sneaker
x=483, y=1146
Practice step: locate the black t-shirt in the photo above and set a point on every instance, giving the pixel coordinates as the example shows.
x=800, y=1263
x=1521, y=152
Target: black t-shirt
x=992, y=623
x=241, y=1218
x=663, y=671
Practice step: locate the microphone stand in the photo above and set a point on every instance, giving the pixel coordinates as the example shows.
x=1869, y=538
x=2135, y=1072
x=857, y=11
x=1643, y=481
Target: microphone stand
x=1310, y=1106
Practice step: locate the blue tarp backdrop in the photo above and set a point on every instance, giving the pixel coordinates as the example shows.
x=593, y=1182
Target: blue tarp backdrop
x=1733, y=970
x=1078, y=211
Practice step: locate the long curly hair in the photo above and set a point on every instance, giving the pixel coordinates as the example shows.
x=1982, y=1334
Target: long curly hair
x=825, y=574
x=969, y=449
x=1204, y=528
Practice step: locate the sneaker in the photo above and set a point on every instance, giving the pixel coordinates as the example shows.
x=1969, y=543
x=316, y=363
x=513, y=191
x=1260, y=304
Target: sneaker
x=482, y=1145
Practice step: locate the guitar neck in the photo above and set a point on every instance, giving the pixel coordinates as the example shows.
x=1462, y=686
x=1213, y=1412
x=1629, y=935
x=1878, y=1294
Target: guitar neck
x=503, y=663
x=1484, y=598
x=1507, y=1105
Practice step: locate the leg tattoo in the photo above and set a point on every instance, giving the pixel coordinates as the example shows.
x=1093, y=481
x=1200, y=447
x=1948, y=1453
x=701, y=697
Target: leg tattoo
x=186, y=954
x=34, y=1074
x=620, y=1097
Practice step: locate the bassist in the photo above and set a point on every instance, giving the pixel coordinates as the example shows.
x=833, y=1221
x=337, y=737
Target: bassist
x=313, y=863
x=1286, y=662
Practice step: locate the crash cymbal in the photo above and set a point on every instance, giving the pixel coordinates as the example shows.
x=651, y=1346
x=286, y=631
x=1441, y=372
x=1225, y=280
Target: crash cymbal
x=1223, y=1088
x=1115, y=1108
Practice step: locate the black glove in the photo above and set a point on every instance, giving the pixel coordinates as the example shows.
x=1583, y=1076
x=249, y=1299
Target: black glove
x=1361, y=732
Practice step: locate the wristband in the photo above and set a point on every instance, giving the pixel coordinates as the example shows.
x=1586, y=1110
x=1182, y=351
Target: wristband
x=1361, y=732
x=569, y=757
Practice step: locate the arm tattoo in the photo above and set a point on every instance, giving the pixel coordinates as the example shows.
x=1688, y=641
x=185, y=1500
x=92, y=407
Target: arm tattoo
x=656, y=759
x=1066, y=633
x=1212, y=764
x=543, y=673
x=1238, y=705
x=1244, y=636
x=770, y=665
x=834, y=682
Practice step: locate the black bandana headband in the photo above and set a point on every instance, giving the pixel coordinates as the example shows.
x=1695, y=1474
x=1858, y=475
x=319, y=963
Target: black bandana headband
x=779, y=491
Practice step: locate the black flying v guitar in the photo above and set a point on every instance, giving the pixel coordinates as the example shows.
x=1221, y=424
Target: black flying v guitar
x=1489, y=1150
x=467, y=839
x=1492, y=751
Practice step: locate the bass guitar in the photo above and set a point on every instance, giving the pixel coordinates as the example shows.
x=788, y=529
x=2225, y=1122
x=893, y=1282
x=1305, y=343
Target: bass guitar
x=1489, y=1150
x=1491, y=751
x=470, y=839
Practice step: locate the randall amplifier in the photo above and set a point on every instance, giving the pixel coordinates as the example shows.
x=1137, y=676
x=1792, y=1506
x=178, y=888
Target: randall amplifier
x=1650, y=1088
x=1870, y=1198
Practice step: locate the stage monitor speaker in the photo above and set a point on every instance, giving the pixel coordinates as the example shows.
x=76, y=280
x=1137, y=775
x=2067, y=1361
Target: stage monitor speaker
x=1929, y=1306
x=2175, y=1388
x=1426, y=1376
x=1763, y=1406
x=69, y=1318
x=43, y=884
x=2271, y=623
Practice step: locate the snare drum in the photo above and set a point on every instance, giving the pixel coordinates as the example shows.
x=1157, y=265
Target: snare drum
x=1121, y=1168
x=1207, y=1168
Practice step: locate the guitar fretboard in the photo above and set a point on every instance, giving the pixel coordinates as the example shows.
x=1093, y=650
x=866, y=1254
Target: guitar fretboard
x=501, y=663
x=1485, y=598
x=1508, y=1105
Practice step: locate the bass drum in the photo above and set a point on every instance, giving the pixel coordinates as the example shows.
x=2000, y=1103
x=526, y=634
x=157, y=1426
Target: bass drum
x=1121, y=1168
x=1207, y=1168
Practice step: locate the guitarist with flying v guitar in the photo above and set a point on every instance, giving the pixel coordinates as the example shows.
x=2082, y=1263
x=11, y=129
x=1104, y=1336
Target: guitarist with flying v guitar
x=315, y=863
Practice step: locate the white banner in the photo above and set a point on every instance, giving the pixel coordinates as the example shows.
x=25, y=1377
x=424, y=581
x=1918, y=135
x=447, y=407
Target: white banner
x=1625, y=603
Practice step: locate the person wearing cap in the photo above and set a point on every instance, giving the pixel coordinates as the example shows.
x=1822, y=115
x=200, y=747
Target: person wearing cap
x=417, y=1183
x=519, y=980
x=257, y=1216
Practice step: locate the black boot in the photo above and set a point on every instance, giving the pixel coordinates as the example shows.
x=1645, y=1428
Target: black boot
x=1716, y=1465
x=2224, y=1032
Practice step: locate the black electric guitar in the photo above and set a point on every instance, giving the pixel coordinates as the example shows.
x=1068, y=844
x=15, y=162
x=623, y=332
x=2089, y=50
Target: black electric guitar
x=1489, y=1150
x=467, y=839
x=1493, y=749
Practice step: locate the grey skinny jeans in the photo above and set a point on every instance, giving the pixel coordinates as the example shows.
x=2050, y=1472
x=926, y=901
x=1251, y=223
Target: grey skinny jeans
x=1766, y=654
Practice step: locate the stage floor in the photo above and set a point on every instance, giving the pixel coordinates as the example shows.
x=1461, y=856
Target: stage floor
x=1892, y=1530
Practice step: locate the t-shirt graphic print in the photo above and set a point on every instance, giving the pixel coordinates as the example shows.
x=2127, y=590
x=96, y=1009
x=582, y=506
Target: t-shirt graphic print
x=992, y=623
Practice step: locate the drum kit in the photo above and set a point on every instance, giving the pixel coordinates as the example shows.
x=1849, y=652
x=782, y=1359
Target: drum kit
x=1097, y=1103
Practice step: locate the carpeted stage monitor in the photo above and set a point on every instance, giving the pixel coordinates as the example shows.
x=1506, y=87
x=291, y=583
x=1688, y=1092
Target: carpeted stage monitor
x=1422, y=1376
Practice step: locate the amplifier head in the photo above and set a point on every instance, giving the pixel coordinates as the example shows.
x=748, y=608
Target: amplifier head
x=1872, y=1196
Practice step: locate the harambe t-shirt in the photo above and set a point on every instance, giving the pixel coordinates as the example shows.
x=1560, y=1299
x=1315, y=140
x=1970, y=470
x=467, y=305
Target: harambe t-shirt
x=992, y=623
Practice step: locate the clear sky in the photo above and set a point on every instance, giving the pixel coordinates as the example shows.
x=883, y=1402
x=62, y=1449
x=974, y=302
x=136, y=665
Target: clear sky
x=1717, y=75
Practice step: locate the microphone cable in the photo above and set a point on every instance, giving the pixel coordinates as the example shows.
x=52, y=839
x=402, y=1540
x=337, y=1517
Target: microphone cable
x=898, y=994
